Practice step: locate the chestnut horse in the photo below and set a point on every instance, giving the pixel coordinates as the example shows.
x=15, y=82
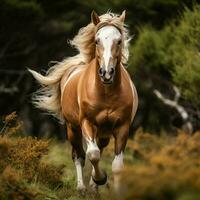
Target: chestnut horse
x=94, y=94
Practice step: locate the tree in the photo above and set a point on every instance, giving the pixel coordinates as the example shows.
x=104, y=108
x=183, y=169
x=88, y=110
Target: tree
x=170, y=57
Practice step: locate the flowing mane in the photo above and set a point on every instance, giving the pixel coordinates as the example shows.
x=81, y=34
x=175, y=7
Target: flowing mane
x=49, y=95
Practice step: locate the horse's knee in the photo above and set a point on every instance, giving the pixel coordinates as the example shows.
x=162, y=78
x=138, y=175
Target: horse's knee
x=93, y=155
x=93, y=152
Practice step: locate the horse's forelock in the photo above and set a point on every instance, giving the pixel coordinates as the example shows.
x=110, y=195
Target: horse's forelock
x=84, y=40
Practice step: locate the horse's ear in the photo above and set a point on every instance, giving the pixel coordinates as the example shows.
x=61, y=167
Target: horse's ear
x=94, y=18
x=122, y=16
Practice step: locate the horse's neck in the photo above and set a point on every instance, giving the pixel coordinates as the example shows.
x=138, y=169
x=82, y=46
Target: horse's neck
x=107, y=88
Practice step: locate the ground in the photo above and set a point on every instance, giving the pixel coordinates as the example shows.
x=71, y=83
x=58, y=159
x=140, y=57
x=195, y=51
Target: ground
x=157, y=167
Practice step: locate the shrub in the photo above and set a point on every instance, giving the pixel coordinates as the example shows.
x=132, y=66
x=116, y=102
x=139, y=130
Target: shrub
x=168, y=169
x=165, y=58
x=22, y=170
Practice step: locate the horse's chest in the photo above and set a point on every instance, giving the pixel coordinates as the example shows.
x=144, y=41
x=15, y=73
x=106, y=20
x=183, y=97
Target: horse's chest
x=104, y=118
x=106, y=121
x=104, y=113
x=107, y=117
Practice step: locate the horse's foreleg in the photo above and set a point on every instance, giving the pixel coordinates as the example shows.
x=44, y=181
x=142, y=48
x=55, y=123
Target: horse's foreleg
x=102, y=143
x=79, y=163
x=93, y=152
x=78, y=156
x=121, y=136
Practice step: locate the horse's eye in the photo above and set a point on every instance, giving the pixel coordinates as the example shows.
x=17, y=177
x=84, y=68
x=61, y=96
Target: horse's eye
x=119, y=42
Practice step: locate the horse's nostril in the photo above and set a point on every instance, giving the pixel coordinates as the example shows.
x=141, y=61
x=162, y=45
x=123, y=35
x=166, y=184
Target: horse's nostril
x=101, y=71
x=111, y=71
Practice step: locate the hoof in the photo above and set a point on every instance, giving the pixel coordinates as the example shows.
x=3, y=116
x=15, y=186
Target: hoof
x=102, y=181
x=107, y=185
x=81, y=190
x=93, y=185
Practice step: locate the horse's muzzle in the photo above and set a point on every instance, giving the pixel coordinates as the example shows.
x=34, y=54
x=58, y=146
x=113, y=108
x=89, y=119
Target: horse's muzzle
x=106, y=75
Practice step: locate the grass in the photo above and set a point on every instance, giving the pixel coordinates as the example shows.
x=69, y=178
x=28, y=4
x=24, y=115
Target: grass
x=157, y=168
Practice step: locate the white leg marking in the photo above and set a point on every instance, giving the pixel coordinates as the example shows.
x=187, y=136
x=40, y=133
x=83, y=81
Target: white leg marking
x=117, y=164
x=93, y=151
x=93, y=154
x=79, y=171
x=91, y=145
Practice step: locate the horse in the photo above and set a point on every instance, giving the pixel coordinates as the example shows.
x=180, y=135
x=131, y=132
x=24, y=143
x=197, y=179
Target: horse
x=93, y=94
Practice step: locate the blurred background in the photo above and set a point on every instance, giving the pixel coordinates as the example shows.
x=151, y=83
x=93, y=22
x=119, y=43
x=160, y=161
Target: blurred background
x=164, y=57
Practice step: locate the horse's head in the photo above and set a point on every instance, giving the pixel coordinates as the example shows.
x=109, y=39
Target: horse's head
x=109, y=41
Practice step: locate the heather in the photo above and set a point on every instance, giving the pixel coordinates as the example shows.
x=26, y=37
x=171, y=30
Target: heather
x=156, y=167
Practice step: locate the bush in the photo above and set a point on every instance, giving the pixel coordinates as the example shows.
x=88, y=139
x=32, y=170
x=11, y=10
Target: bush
x=23, y=174
x=169, y=57
x=168, y=168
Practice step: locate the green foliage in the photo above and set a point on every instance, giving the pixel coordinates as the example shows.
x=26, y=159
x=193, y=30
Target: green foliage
x=155, y=12
x=169, y=57
x=36, y=32
x=186, y=62
x=173, y=50
x=14, y=11
x=151, y=46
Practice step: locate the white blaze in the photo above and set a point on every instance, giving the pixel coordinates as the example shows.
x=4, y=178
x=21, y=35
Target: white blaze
x=107, y=52
x=107, y=35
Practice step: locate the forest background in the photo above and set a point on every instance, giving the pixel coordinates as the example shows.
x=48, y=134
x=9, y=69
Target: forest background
x=164, y=53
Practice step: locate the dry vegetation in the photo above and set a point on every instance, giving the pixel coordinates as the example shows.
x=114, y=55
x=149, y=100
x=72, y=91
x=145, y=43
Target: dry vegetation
x=21, y=169
x=157, y=167
x=166, y=167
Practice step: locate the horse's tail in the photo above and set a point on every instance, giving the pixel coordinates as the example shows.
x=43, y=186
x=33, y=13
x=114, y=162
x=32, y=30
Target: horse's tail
x=49, y=95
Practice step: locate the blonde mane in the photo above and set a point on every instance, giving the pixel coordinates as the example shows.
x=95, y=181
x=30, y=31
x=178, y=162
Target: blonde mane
x=48, y=97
